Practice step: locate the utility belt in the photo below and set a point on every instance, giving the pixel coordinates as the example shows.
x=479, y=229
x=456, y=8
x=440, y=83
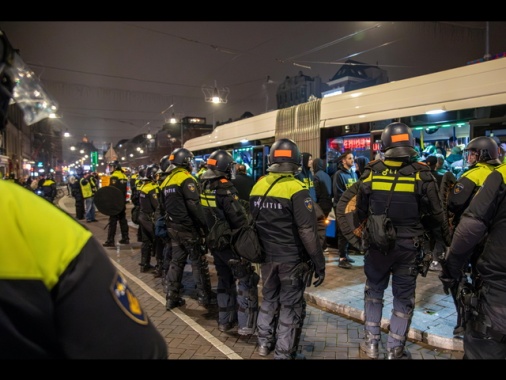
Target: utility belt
x=181, y=235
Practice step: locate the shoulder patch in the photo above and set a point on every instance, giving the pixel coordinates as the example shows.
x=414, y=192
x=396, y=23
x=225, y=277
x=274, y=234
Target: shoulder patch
x=191, y=186
x=308, y=202
x=458, y=188
x=127, y=301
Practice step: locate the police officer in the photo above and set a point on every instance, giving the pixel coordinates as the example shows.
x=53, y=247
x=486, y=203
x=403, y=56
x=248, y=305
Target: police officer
x=135, y=184
x=49, y=189
x=238, y=303
x=60, y=300
x=483, y=220
x=287, y=228
x=163, y=235
x=413, y=191
x=481, y=156
x=187, y=229
x=119, y=180
x=149, y=212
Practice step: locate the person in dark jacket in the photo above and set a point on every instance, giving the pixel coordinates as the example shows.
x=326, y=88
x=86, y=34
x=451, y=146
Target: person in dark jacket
x=342, y=179
x=60, y=295
x=77, y=194
x=323, y=189
x=484, y=221
x=287, y=230
x=306, y=176
x=360, y=163
x=242, y=182
x=406, y=191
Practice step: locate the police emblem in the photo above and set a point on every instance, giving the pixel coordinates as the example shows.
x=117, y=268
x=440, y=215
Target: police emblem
x=192, y=187
x=127, y=301
x=308, y=202
x=458, y=188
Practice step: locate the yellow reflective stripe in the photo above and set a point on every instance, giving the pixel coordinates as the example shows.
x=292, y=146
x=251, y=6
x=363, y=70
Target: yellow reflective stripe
x=403, y=185
x=208, y=200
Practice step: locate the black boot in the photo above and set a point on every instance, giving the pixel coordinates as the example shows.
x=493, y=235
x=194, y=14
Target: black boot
x=397, y=353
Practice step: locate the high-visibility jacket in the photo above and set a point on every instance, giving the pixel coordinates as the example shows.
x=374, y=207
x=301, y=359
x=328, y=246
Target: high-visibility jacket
x=60, y=295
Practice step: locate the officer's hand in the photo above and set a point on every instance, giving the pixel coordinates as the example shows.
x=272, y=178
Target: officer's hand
x=448, y=283
x=320, y=277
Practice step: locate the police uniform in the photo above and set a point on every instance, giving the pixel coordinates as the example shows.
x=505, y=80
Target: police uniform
x=60, y=295
x=237, y=303
x=187, y=228
x=287, y=228
x=483, y=220
x=468, y=184
x=49, y=189
x=119, y=180
x=415, y=193
x=148, y=203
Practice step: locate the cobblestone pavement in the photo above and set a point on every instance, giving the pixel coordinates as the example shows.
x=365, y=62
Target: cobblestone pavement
x=332, y=330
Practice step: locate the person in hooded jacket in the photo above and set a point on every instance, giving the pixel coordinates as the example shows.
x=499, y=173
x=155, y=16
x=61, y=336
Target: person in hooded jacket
x=323, y=189
x=306, y=176
x=342, y=179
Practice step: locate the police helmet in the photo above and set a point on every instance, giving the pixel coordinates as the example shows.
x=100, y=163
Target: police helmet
x=397, y=141
x=485, y=148
x=151, y=172
x=181, y=157
x=164, y=162
x=115, y=165
x=284, y=157
x=219, y=164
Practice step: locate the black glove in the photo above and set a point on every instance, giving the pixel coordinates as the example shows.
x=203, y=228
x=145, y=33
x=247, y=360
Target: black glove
x=448, y=283
x=320, y=277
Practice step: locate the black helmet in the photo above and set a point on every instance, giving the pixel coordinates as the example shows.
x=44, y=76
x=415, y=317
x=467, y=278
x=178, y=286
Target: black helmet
x=219, y=164
x=150, y=172
x=181, y=157
x=284, y=157
x=397, y=141
x=164, y=162
x=485, y=148
x=115, y=165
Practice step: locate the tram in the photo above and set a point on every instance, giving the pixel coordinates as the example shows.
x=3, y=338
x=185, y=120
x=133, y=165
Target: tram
x=459, y=103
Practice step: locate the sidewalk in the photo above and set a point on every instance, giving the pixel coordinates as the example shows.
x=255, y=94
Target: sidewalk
x=342, y=292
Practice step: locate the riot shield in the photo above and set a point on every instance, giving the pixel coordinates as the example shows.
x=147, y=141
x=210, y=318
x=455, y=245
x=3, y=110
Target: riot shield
x=109, y=200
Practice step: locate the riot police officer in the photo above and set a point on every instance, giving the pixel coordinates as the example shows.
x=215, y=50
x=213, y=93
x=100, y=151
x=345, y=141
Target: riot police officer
x=287, y=228
x=405, y=190
x=187, y=229
x=119, y=180
x=484, y=302
x=149, y=212
x=238, y=303
x=481, y=156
